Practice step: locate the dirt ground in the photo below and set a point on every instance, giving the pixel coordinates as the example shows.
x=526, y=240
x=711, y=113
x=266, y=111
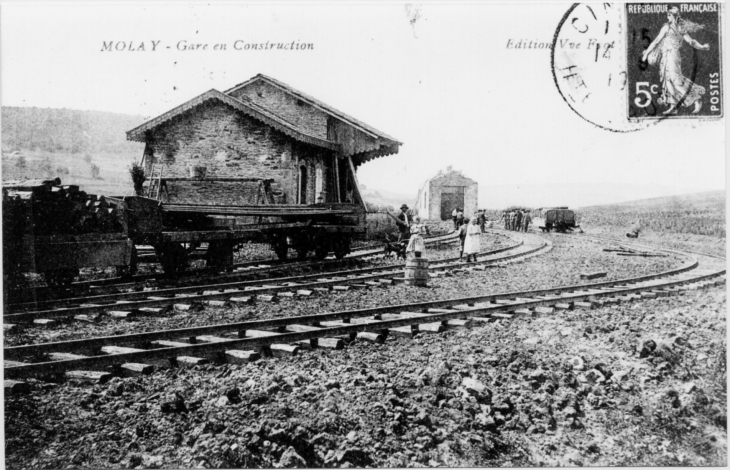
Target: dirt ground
x=636, y=384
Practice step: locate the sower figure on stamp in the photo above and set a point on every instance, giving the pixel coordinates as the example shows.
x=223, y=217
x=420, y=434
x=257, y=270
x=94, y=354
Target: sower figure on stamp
x=403, y=223
x=415, y=244
x=664, y=50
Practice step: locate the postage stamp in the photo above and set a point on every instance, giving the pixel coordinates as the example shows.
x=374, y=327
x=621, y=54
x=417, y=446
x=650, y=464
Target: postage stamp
x=673, y=60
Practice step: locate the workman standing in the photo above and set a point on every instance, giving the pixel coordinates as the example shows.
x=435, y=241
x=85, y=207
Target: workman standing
x=482, y=219
x=459, y=217
x=526, y=220
x=518, y=220
x=453, y=217
x=404, y=224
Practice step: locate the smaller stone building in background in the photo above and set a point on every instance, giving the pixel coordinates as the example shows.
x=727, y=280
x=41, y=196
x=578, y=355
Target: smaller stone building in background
x=446, y=191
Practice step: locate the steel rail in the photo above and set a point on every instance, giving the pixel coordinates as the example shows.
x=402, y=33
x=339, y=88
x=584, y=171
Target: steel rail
x=193, y=276
x=483, y=305
x=226, y=291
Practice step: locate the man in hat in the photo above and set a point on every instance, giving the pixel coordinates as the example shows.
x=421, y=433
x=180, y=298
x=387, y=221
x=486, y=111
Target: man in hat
x=404, y=224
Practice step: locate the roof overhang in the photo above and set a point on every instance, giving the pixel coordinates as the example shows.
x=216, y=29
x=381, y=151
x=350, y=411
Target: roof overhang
x=139, y=133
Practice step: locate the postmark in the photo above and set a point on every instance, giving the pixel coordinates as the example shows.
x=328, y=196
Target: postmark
x=598, y=66
x=589, y=65
x=674, y=60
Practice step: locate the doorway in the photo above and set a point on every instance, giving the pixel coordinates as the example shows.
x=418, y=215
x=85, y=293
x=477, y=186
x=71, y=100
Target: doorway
x=303, y=184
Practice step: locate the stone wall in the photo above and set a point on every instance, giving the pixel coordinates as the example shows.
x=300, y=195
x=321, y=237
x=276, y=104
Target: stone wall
x=432, y=191
x=230, y=144
x=306, y=117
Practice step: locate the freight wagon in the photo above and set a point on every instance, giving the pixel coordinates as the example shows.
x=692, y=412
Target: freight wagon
x=259, y=162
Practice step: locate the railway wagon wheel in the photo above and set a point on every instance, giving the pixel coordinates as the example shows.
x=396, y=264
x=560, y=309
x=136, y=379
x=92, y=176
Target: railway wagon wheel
x=280, y=245
x=173, y=257
x=220, y=254
x=302, y=243
x=341, y=246
x=321, y=248
x=60, y=278
x=131, y=270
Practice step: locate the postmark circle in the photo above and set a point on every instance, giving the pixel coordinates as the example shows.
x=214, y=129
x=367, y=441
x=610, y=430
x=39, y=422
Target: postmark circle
x=589, y=65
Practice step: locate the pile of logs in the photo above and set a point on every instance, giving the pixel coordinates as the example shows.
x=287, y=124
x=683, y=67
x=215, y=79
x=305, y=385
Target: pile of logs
x=55, y=209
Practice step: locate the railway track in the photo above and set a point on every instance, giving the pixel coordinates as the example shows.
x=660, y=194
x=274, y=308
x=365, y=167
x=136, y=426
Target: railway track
x=32, y=297
x=97, y=359
x=130, y=304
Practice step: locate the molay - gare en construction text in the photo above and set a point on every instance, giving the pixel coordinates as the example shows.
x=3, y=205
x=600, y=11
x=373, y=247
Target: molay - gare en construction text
x=183, y=45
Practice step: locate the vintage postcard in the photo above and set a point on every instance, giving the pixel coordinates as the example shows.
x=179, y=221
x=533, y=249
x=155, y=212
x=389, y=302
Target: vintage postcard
x=363, y=235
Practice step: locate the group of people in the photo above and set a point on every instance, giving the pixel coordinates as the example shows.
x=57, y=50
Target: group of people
x=517, y=220
x=411, y=229
x=469, y=232
x=457, y=216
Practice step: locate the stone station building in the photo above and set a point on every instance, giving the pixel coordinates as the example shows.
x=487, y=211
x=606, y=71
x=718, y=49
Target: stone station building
x=223, y=147
x=446, y=191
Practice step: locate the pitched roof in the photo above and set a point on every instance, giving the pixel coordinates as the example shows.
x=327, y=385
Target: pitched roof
x=248, y=108
x=456, y=173
x=317, y=104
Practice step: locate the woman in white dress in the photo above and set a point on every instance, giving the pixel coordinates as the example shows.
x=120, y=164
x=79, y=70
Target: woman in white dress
x=415, y=244
x=665, y=51
x=471, y=244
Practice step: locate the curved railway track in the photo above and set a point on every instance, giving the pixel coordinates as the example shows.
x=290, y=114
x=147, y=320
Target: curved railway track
x=97, y=359
x=30, y=298
x=131, y=304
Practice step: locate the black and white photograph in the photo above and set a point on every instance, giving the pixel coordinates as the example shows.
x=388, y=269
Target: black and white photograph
x=363, y=235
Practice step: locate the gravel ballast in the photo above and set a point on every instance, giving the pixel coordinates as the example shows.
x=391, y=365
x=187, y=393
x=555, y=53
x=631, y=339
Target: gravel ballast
x=639, y=383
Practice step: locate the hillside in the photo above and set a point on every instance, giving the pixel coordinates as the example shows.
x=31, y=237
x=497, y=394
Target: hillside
x=695, y=221
x=88, y=148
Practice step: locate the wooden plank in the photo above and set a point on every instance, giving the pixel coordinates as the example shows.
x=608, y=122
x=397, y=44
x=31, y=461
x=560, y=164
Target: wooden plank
x=210, y=339
x=121, y=315
x=119, y=350
x=88, y=318
x=59, y=356
x=45, y=322
x=373, y=337
x=544, y=310
x=88, y=376
x=452, y=324
x=283, y=350
x=234, y=356
x=189, y=361
x=589, y=305
x=593, y=275
x=134, y=369
x=14, y=387
x=402, y=332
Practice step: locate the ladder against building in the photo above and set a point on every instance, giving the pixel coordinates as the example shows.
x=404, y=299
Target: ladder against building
x=153, y=190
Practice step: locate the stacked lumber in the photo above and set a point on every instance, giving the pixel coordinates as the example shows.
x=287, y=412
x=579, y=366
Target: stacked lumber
x=56, y=209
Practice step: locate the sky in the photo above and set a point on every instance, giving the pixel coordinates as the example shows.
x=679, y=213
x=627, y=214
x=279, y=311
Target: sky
x=446, y=86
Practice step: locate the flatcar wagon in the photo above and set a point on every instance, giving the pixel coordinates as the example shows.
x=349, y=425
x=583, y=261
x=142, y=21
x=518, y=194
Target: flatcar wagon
x=56, y=230
x=259, y=162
